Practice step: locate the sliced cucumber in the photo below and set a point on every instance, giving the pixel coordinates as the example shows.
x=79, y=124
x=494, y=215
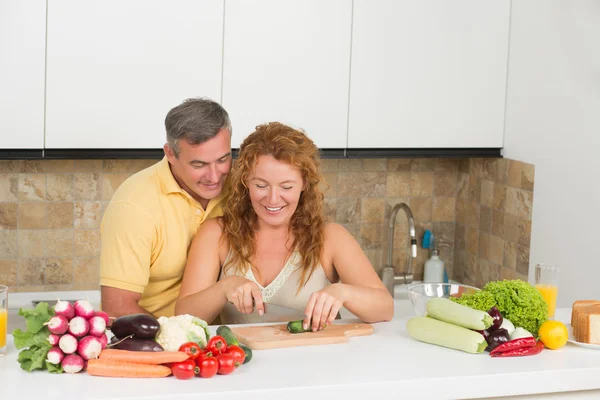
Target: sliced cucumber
x=444, y=334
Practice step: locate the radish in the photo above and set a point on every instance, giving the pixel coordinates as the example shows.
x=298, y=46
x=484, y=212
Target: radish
x=72, y=364
x=79, y=327
x=104, y=315
x=55, y=355
x=89, y=347
x=57, y=324
x=65, y=309
x=104, y=340
x=53, y=339
x=68, y=343
x=97, y=326
x=84, y=309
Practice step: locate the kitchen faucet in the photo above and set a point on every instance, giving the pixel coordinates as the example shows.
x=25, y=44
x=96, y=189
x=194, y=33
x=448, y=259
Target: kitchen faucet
x=388, y=274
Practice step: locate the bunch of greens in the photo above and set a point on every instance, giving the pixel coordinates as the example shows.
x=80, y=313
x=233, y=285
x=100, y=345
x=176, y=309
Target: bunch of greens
x=518, y=301
x=34, y=341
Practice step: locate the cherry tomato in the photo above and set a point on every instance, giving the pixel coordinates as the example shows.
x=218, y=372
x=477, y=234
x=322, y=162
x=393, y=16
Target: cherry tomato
x=238, y=354
x=184, y=370
x=193, y=350
x=217, y=345
x=209, y=366
x=226, y=364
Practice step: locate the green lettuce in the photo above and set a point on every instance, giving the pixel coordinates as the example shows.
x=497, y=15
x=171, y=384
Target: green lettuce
x=517, y=301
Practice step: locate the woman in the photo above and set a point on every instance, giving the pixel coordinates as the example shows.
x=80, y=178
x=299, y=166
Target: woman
x=273, y=247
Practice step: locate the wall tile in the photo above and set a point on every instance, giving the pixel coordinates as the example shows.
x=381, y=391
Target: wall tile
x=87, y=186
x=512, y=201
x=31, y=243
x=10, y=166
x=375, y=164
x=110, y=184
x=9, y=187
x=8, y=215
x=475, y=184
x=422, y=164
x=50, y=166
x=373, y=184
x=525, y=203
x=510, y=256
x=487, y=193
x=32, y=215
x=499, y=196
x=348, y=210
x=485, y=219
x=60, y=215
x=515, y=171
x=329, y=186
x=329, y=209
x=422, y=208
x=461, y=211
x=449, y=165
x=30, y=271
x=32, y=187
x=88, y=214
x=527, y=177
x=8, y=244
x=472, y=240
x=349, y=184
x=398, y=184
x=372, y=210
x=522, y=259
x=88, y=165
x=87, y=242
x=399, y=164
x=498, y=223
x=8, y=273
x=330, y=164
x=511, y=228
x=59, y=271
x=350, y=164
x=444, y=235
x=370, y=236
x=116, y=166
x=463, y=186
x=86, y=270
x=445, y=184
x=421, y=183
x=484, y=246
x=444, y=209
x=489, y=169
x=59, y=187
x=472, y=210
x=524, y=232
x=496, y=250
x=139, y=165
x=60, y=243
x=507, y=274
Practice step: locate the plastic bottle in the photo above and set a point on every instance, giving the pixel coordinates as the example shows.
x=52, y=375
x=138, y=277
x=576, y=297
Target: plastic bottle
x=434, y=268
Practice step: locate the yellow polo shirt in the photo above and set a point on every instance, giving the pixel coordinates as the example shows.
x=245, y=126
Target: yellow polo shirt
x=146, y=232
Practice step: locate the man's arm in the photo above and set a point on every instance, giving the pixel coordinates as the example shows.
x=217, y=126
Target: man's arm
x=119, y=302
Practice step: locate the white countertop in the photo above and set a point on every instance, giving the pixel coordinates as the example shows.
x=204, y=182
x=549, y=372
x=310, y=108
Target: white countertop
x=387, y=363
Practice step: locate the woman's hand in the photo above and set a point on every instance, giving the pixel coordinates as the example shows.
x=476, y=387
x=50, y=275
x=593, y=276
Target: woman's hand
x=244, y=295
x=323, y=306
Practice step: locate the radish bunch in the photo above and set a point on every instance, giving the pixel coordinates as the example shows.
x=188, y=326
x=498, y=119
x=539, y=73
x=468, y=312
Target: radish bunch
x=77, y=334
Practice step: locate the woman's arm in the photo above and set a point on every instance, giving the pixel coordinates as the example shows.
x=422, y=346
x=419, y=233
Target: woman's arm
x=360, y=291
x=202, y=294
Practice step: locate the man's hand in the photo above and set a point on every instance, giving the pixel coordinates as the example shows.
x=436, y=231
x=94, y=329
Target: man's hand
x=119, y=302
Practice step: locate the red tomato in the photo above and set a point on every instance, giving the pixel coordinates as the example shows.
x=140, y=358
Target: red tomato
x=193, y=350
x=238, y=354
x=217, y=345
x=208, y=366
x=184, y=370
x=226, y=364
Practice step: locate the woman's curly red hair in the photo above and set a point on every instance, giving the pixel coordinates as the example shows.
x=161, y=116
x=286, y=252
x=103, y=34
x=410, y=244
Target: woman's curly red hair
x=307, y=224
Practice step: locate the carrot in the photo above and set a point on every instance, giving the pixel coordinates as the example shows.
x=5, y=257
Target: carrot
x=143, y=357
x=120, y=369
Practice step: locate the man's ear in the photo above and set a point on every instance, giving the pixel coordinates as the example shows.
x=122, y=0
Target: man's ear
x=169, y=152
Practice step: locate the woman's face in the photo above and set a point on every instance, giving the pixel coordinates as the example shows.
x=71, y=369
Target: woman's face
x=275, y=189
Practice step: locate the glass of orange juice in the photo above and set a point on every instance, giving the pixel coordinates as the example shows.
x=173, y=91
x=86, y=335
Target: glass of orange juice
x=3, y=318
x=546, y=282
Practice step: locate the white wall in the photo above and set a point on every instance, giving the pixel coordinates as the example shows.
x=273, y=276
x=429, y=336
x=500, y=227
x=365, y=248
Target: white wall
x=553, y=122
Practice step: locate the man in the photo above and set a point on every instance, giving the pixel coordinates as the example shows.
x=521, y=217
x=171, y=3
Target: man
x=153, y=216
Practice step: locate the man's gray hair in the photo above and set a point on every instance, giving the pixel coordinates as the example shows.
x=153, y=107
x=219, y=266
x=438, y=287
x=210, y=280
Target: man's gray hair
x=196, y=121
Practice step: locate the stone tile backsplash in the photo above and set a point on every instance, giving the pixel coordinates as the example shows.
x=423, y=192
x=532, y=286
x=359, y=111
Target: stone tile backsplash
x=479, y=210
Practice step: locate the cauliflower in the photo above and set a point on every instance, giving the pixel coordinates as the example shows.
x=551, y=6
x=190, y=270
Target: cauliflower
x=175, y=331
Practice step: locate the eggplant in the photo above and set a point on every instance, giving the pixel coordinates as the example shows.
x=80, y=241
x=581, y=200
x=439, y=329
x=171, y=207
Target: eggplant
x=141, y=326
x=496, y=338
x=133, y=344
x=497, y=317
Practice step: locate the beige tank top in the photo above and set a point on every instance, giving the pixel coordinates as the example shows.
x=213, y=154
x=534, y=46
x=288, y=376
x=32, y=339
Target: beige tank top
x=281, y=292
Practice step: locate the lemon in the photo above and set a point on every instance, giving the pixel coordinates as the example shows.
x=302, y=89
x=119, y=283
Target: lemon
x=553, y=334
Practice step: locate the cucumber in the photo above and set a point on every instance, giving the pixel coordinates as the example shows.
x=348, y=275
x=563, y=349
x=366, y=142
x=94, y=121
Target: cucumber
x=457, y=314
x=228, y=335
x=296, y=327
x=248, y=352
x=444, y=334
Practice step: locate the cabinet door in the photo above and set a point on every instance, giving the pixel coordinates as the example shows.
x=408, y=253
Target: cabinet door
x=288, y=61
x=22, y=49
x=115, y=68
x=429, y=73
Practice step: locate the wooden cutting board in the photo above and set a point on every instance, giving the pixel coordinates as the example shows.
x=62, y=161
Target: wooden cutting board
x=277, y=336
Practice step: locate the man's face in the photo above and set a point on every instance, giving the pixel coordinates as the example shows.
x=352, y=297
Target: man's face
x=201, y=169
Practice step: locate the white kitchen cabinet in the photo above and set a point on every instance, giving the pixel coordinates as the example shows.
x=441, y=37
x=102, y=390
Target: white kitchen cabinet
x=115, y=68
x=22, y=50
x=288, y=61
x=428, y=74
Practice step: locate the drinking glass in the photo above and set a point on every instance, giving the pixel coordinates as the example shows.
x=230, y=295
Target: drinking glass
x=3, y=318
x=546, y=282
